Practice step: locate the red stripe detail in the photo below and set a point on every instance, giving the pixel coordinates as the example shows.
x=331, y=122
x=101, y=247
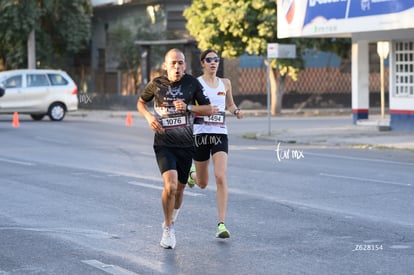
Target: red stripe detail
x=360, y=111
x=402, y=112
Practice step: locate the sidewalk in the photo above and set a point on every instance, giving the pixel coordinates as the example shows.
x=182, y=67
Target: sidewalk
x=365, y=134
x=370, y=133
x=357, y=136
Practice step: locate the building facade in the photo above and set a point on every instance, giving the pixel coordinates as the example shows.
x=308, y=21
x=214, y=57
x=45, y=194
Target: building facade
x=365, y=21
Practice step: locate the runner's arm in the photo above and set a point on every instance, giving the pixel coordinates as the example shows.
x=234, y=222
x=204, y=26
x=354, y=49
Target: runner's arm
x=231, y=106
x=153, y=122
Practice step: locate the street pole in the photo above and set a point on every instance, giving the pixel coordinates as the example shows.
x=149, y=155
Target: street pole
x=383, y=49
x=269, y=131
x=31, y=51
x=382, y=88
x=275, y=51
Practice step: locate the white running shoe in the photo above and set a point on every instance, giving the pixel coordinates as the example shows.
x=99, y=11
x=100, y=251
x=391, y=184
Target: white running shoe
x=168, y=237
x=174, y=217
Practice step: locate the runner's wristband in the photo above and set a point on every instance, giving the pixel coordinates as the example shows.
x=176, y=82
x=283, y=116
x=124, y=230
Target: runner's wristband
x=236, y=111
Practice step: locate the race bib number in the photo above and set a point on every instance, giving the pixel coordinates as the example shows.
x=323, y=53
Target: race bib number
x=215, y=119
x=174, y=121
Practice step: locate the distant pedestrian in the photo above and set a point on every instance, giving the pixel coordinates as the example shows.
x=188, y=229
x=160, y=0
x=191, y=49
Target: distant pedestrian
x=210, y=136
x=174, y=98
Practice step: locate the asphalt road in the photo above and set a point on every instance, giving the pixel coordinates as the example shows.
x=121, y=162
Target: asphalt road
x=82, y=196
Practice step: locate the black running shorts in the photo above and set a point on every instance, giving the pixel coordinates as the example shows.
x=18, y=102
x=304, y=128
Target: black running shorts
x=206, y=144
x=175, y=158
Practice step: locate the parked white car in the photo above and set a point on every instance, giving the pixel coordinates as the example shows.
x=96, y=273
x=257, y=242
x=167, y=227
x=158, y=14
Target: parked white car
x=38, y=93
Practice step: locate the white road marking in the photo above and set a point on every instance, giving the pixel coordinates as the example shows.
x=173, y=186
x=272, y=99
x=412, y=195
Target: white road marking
x=109, y=268
x=373, y=241
x=187, y=192
x=315, y=205
x=18, y=162
x=97, y=234
x=53, y=141
x=360, y=159
x=400, y=246
x=364, y=179
x=251, y=147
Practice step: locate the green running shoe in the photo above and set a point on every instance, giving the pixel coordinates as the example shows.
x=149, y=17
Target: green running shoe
x=222, y=231
x=190, y=181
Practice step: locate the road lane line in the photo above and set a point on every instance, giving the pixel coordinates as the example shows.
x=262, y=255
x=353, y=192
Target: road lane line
x=360, y=159
x=17, y=162
x=52, y=140
x=97, y=234
x=187, y=192
x=364, y=179
x=109, y=268
x=400, y=246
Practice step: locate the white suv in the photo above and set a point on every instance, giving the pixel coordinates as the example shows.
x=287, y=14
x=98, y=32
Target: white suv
x=38, y=93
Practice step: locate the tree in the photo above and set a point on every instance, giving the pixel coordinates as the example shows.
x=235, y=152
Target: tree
x=62, y=29
x=121, y=43
x=234, y=27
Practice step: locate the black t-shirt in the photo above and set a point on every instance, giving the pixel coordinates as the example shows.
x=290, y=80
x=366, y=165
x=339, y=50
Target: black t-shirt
x=177, y=124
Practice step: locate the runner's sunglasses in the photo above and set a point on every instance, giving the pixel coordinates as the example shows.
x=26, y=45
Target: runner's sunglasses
x=211, y=59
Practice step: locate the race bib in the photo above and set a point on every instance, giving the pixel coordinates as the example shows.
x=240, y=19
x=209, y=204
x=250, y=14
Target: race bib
x=174, y=121
x=215, y=119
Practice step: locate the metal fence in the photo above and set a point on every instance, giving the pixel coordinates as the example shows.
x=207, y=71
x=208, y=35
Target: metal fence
x=253, y=81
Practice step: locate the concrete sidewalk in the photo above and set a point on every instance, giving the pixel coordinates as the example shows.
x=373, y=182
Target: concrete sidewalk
x=370, y=133
x=357, y=136
x=365, y=134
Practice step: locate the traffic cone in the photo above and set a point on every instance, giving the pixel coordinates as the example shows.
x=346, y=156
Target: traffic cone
x=16, y=122
x=128, y=121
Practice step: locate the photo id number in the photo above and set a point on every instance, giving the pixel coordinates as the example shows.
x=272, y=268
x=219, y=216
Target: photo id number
x=368, y=247
x=215, y=119
x=171, y=122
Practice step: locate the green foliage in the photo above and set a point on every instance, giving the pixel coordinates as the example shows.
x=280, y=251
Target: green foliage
x=13, y=26
x=234, y=27
x=121, y=45
x=122, y=37
x=62, y=28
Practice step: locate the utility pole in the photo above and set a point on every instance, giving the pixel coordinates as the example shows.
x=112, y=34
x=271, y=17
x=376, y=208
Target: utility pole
x=383, y=49
x=31, y=51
